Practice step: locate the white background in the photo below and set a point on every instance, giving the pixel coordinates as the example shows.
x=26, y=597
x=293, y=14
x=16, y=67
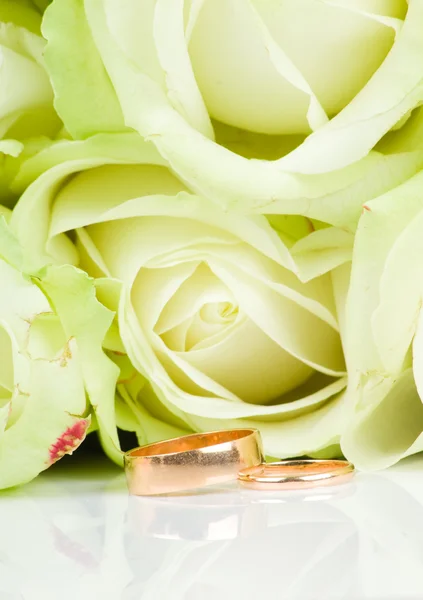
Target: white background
x=74, y=534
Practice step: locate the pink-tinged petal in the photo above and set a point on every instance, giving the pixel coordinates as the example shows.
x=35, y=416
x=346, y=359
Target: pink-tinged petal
x=73, y=550
x=69, y=441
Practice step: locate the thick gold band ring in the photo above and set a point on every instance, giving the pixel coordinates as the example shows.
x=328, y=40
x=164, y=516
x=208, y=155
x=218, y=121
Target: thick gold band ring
x=192, y=461
x=296, y=474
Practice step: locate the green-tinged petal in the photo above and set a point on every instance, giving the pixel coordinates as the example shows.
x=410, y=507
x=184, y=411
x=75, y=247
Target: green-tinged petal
x=47, y=414
x=286, y=68
x=387, y=429
x=338, y=197
x=341, y=277
x=11, y=147
x=4, y=416
x=384, y=221
x=26, y=100
x=322, y=251
x=51, y=166
x=394, y=90
x=174, y=59
x=52, y=364
x=20, y=300
x=383, y=317
x=84, y=96
x=70, y=156
x=108, y=293
x=394, y=322
x=288, y=82
x=73, y=296
x=10, y=249
x=52, y=423
x=417, y=350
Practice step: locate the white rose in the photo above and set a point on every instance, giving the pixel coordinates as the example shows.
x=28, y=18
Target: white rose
x=213, y=312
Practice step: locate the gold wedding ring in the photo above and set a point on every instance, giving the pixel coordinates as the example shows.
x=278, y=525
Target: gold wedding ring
x=192, y=461
x=296, y=474
x=203, y=459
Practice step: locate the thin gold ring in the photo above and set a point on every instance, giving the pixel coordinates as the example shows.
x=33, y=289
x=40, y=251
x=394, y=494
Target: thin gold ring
x=192, y=461
x=296, y=474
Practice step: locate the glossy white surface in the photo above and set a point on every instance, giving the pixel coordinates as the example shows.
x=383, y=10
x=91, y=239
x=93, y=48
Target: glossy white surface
x=73, y=534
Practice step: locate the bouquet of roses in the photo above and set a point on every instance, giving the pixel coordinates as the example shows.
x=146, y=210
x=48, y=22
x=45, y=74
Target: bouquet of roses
x=212, y=217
